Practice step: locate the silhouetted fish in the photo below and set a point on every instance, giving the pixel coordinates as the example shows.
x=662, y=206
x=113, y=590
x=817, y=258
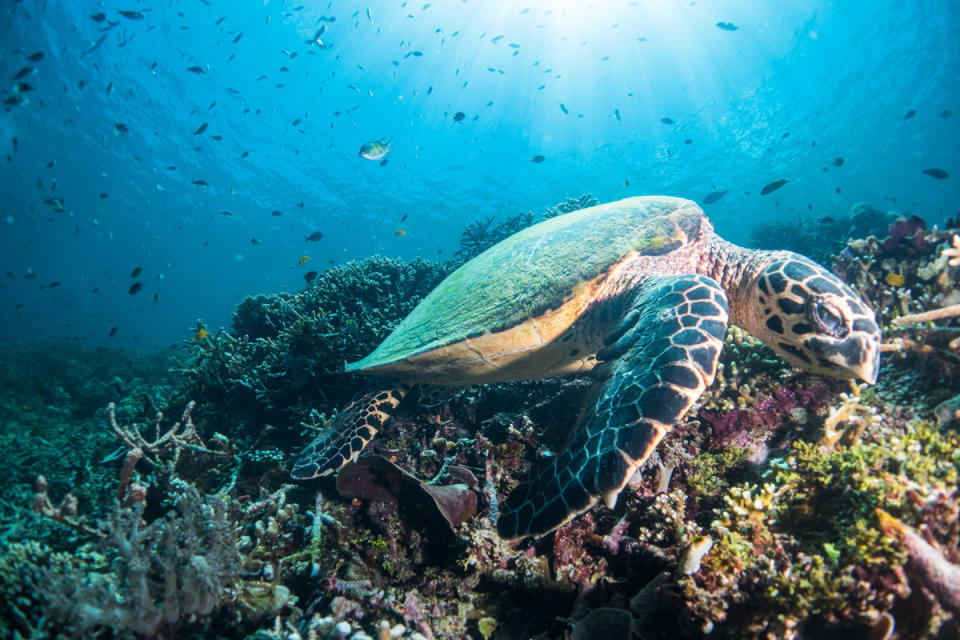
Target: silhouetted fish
x=838, y=162
x=710, y=198
x=200, y=129
x=909, y=114
x=727, y=26
x=939, y=174
x=773, y=186
x=135, y=288
x=310, y=276
x=313, y=237
x=537, y=159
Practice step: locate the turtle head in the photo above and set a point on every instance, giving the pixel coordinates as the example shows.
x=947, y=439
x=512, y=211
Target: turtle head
x=815, y=321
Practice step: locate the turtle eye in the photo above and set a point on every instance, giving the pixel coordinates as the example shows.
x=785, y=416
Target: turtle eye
x=828, y=318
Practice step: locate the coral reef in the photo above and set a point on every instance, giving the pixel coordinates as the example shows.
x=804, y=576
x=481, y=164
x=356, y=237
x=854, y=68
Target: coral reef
x=285, y=354
x=784, y=506
x=818, y=238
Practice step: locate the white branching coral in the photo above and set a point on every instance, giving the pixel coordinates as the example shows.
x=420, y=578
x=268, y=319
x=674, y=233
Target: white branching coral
x=953, y=253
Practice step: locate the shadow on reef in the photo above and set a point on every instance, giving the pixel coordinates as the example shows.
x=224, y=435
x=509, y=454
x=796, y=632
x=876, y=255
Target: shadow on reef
x=784, y=506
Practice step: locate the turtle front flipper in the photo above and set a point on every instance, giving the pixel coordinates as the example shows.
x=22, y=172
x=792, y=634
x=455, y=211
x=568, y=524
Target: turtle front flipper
x=665, y=357
x=352, y=429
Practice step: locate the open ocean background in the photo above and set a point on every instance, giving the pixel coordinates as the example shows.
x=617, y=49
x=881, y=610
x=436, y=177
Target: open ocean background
x=586, y=85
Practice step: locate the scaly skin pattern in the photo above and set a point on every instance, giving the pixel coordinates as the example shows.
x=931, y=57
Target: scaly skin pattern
x=664, y=358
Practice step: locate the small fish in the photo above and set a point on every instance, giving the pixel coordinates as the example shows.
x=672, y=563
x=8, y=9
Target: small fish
x=22, y=87
x=203, y=184
x=939, y=174
x=136, y=273
x=773, y=186
x=563, y=108
x=375, y=149
x=35, y=57
x=667, y=120
x=310, y=276
x=276, y=214
x=103, y=195
x=227, y=213
x=254, y=241
x=113, y=331
x=688, y=141
x=200, y=333
x=616, y=112
x=120, y=129
x=303, y=260
x=237, y=39
x=400, y=232
x=403, y=219
x=894, y=279
x=135, y=288
x=98, y=17
x=96, y=45
x=244, y=154
x=712, y=197
x=945, y=113
x=217, y=137
x=384, y=162
x=459, y=116
x=53, y=285
x=626, y=183
x=23, y=73
x=315, y=236
x=130, y=15
x=838, y=162
x=197, y=70
x=537, y=159
x=200, y=129
x=727, y=26
x=909, y=114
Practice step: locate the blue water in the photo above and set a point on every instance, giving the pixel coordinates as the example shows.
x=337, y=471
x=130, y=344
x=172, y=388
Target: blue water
x=795, y=86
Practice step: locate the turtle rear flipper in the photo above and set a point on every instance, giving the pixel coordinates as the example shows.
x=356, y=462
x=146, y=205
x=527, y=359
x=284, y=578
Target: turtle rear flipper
x=352, y=429
x=665, y=361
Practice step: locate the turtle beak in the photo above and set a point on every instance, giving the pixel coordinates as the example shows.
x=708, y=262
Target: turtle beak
x=869, y=367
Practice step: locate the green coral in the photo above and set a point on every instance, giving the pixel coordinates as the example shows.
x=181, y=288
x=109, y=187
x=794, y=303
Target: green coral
x=806, y=546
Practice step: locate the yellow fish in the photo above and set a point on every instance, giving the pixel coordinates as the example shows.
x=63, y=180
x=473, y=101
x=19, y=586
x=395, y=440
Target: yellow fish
x=376, y=149
x=200, y=333
x=894, y=279
x=400, y=232
x=304, y=259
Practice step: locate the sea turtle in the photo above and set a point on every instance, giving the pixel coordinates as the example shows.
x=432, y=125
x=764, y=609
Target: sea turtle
x=639, y=291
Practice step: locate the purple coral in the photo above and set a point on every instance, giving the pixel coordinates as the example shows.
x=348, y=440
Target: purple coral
x=750, y=428
x=906, y=238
